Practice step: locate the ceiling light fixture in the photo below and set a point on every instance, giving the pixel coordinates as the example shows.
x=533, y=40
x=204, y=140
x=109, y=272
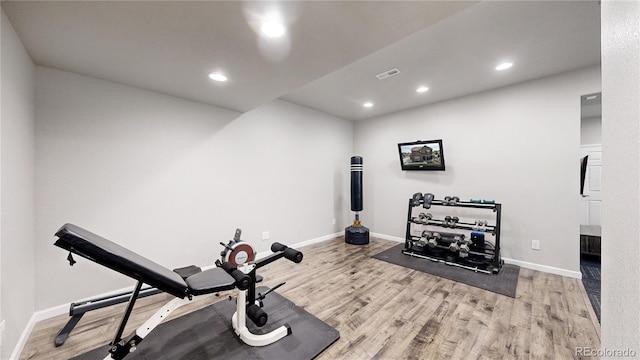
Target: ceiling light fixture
x=422, y=89
x=273, y=29
x=217, y=77
x=368, y=104
x=504, y=66
x=592, y=97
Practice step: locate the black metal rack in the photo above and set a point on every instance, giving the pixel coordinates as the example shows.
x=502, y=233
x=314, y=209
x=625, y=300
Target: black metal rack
x=436, y=243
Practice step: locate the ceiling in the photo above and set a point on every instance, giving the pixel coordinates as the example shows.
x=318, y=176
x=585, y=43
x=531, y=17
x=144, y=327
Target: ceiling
x=329, y=55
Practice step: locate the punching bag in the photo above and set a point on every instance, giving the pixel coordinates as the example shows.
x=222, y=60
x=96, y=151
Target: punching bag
x=356, y=183
x=356, y=234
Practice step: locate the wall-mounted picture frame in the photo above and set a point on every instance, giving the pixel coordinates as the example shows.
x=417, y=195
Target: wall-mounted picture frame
x=422, y=155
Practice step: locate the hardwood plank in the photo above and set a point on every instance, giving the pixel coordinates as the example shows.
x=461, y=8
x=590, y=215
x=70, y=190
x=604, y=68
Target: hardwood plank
x=525, y=289
x=541, y=331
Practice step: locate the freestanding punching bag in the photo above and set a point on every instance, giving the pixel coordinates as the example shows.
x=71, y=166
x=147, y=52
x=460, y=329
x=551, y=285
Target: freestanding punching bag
x=356, y=234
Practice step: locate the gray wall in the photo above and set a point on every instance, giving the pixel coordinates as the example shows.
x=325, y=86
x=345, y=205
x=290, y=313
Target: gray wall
x=518, y=145
x=591, y=131
x=171, y=178
x=620, y=178
x=16, y=188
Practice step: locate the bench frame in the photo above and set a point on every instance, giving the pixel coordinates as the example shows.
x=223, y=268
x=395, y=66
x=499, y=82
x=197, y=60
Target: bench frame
x=88, y=245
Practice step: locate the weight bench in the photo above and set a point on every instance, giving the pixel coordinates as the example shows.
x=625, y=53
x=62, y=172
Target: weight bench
x=81, y=242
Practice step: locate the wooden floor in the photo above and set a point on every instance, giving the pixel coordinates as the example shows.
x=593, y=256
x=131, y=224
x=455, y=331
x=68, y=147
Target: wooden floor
x=384, y=311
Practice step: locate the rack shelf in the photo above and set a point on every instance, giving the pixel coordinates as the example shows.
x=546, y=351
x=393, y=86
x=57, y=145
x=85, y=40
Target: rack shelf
x=446, y=239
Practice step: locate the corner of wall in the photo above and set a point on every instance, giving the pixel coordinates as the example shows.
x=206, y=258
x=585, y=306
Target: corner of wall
x=17, y=169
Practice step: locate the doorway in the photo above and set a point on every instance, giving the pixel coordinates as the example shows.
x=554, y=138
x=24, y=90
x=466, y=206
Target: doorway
x=591, y=196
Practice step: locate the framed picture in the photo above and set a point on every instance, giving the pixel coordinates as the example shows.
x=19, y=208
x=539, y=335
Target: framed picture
x=421, y=155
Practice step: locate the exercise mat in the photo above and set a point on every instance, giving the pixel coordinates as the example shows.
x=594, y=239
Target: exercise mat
x=207, y=334
x=505, y=282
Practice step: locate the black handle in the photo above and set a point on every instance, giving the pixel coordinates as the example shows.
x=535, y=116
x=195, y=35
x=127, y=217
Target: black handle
x=243, y=281
x=289, y=253
x=257, y=315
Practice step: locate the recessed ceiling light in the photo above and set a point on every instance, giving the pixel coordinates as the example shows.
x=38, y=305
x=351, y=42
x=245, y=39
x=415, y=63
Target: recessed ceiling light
x=422, y=89
x=368, y=104
x=504, y=66
x=273, y=29
x=217, y=77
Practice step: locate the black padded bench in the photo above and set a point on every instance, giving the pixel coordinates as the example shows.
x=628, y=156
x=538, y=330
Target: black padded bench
x=102, y=251
x=109, y=254
x=84, y=243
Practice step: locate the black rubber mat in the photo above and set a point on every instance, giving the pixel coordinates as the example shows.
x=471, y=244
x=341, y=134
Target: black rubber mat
x=505, y=282
x=207, y=334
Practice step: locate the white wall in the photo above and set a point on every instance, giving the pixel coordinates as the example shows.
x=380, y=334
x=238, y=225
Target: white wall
x=591, y=131
x=621, y=176
x=518, y=145
x=171, y=178
x=16, y=187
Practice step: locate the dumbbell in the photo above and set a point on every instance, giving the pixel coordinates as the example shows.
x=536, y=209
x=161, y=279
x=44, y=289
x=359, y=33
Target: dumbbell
x=478, y=201
x=464, y=249
x=480, y=225
x=478, y=228
x=450, y=221
x=425, y=216
x=433, y=241
x=427, y=199
x=424, y=237
x=415, y=199
x=450, y=200
x=465, y=240
x=461, y=238
x=454, y=247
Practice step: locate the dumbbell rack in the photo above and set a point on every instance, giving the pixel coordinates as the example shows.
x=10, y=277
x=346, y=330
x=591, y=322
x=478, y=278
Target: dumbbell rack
x=485, y=258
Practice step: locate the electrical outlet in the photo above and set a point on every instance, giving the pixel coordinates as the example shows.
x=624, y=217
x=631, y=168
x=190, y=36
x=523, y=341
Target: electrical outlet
x=265, y=235
x=535, y=244
x=334, y=221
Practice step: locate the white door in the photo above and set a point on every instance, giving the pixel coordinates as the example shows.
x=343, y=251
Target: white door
x=591, y=202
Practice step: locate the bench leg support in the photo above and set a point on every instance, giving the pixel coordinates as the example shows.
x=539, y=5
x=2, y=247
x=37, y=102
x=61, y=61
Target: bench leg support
x=129, y=345
x=239, y=321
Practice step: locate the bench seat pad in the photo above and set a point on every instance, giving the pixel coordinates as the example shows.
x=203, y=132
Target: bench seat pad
x=210, y=281
x=104, y=252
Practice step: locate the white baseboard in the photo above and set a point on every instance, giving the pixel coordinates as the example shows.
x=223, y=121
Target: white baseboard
x=64, y=308
x=317, y=240
x=22, y=342
x=524, y=264
x=544, y=268
x=388, y=237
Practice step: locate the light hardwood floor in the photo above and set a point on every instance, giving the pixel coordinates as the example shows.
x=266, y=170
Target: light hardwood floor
x=384, y=311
